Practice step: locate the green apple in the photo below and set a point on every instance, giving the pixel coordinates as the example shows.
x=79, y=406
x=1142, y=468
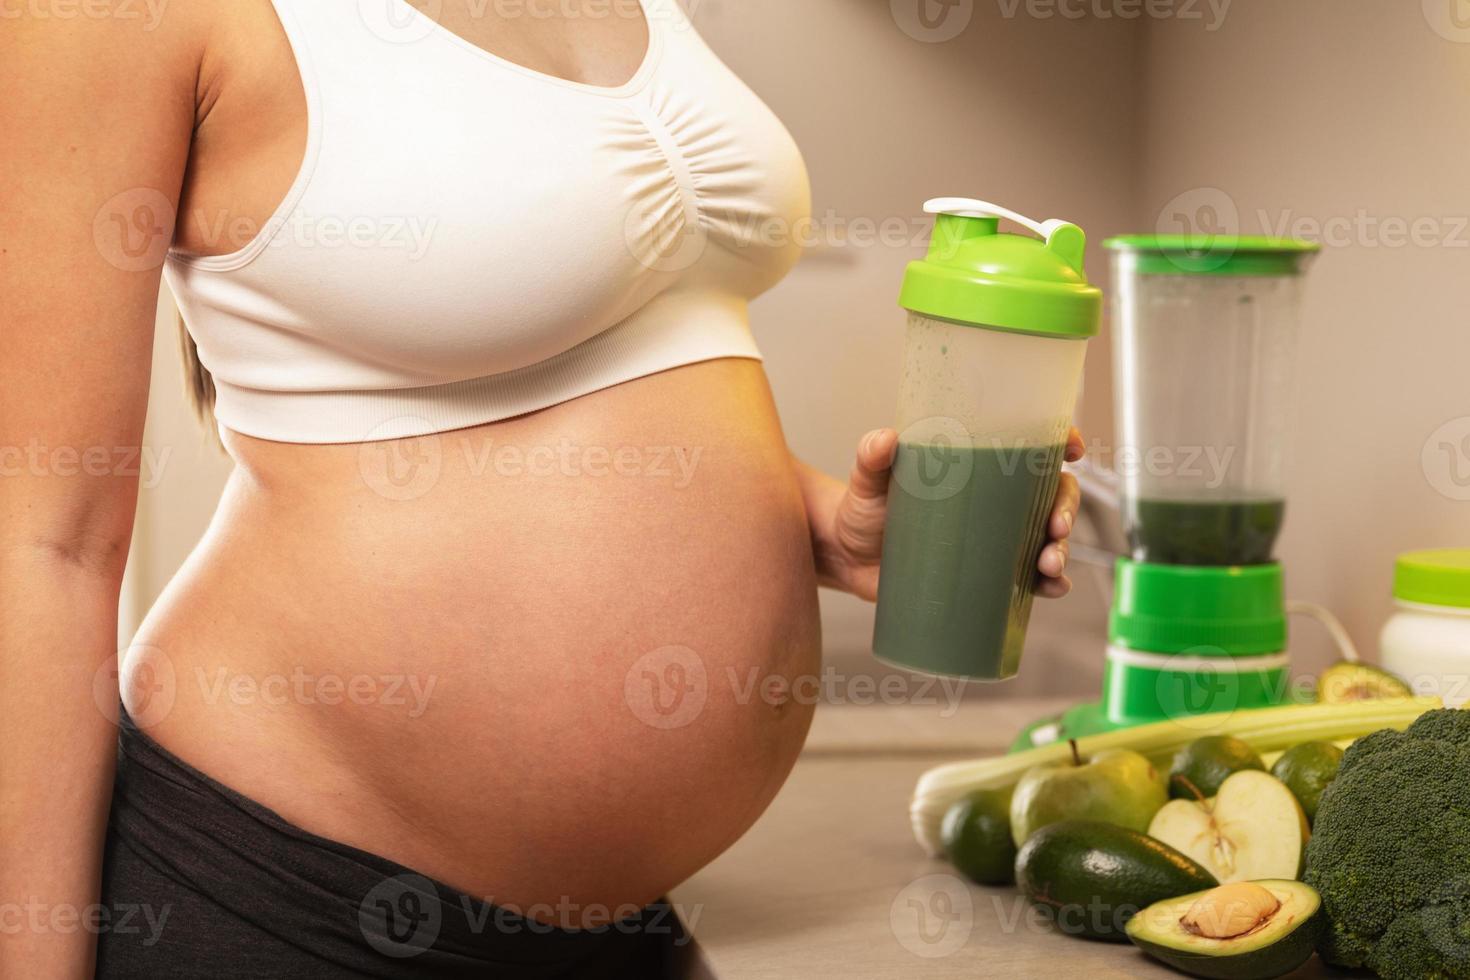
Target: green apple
x=1117, y=786
x=1254, y=829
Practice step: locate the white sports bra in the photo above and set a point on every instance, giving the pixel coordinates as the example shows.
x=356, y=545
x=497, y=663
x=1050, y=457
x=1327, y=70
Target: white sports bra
x=469, y=239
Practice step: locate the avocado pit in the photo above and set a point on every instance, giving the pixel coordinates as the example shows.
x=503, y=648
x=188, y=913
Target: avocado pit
x=1230, y=911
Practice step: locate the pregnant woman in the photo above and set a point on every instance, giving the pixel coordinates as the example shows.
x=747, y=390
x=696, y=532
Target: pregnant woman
x=448, y=688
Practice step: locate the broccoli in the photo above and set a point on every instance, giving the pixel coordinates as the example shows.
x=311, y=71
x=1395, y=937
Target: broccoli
x=1390, y=852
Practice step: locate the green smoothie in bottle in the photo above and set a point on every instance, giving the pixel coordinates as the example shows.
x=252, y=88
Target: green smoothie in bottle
x=959, y=555
x=993, y=356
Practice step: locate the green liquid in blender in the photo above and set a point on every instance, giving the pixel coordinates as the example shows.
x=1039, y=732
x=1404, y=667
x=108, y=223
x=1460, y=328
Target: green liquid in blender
x=965, y=527
x=1200, y=532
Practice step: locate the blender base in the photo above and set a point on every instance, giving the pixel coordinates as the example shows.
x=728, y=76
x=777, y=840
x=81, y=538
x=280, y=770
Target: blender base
x=1183, y=640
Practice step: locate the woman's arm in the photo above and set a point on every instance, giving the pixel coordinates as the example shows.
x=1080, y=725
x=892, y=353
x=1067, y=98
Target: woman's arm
x=847, y=521
x=95, y=126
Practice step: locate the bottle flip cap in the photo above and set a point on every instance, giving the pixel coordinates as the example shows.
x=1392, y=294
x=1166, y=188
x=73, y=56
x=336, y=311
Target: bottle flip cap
x=978, y=276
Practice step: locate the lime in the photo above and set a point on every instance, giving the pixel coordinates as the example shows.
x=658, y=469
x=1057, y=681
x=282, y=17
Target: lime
x=1201, y=766
x=976, y=835
x=1306, y=769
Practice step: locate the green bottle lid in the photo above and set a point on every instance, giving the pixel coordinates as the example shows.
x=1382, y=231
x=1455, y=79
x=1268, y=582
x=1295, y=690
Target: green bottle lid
x=1215, y=255
x=1439, y=577
x=977, y=276
x=1203, y=610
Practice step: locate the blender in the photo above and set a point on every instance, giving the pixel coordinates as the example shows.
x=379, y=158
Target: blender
x=1204, y=333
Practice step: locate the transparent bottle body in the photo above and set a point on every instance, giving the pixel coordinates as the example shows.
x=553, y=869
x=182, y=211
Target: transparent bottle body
x=1203, y=368
x=983, y=418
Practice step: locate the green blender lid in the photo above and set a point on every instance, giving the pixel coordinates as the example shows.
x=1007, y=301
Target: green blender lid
x=1215, y=255
x=977, y=276
x=1439, y=577
x=1202, y=610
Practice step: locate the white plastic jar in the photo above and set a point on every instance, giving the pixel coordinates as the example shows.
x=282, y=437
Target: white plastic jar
x=1427, y=639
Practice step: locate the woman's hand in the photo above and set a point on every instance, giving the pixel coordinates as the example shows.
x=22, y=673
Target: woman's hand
x=847, y=522
x=1053, y=561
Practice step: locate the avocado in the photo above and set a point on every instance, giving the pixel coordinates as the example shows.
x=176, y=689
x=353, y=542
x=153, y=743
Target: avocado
x=976, y=834
x=1344, y=682
x=1091, y=877
x=1201, y=766
x=1249, y=930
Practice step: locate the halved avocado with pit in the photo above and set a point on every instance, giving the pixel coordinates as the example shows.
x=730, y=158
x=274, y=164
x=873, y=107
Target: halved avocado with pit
x=1247, y=930
x=1346, y=682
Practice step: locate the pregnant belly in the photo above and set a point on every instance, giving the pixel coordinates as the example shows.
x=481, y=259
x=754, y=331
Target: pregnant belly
x=550, y=662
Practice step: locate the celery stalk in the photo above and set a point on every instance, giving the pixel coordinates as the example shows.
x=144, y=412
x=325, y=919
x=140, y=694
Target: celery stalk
x=1264, y=729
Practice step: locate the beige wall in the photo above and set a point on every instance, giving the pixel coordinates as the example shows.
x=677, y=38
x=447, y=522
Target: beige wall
x=1321, y=106
x=179, y=489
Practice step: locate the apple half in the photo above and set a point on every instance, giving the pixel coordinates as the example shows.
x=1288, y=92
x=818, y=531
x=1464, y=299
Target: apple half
x=1252, y=830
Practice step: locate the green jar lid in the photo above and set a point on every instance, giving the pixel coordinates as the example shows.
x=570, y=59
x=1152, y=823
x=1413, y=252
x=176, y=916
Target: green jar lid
x=1202, y=610
x=977, y=276
x=1215, y=255
x=1439, y=577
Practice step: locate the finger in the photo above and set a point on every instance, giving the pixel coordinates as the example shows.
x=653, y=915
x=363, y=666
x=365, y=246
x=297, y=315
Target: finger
x=1064, y=511
x=861, y=512
x=864, y=583
x=875, y=454
x=1076, y=448
x=1054, y=588
x=1053, y=560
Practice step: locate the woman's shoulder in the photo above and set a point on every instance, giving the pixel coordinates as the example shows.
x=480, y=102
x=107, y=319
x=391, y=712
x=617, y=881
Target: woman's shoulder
x=112, y=47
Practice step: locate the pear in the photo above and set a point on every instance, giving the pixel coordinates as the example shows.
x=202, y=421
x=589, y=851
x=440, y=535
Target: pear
x=1116, y=786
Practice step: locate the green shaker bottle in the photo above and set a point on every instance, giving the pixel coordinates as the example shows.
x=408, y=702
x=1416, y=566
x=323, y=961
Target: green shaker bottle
x=997, y=331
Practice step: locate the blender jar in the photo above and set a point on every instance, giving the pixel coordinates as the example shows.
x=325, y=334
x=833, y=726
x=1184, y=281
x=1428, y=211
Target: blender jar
x=1203, y=375
x=997, y=333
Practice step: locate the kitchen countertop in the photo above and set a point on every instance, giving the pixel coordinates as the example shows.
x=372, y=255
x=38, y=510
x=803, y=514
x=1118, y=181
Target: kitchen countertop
x=830, y=883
